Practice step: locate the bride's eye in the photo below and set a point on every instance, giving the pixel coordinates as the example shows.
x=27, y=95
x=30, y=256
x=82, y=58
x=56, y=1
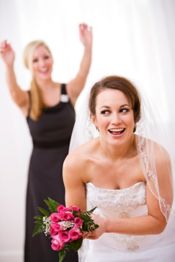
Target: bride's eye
x=105, y=112
x=124, y=110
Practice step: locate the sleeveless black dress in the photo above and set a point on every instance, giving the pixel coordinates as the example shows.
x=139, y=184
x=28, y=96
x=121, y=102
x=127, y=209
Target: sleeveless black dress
x=51, y=136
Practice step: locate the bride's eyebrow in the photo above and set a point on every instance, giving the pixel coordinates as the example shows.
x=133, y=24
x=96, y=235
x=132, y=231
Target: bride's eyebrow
x=105, y=106
x=109, y=107
x=128, y=105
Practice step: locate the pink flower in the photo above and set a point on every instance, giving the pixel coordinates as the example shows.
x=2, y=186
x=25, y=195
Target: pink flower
x=64, y=226
x=56, y=243
x=64, y=236
x=66, y=215
x=54, y=228
x=54, y=217
x=78, y=221
x=74, y=208
x=75, y=233
x=62, y=208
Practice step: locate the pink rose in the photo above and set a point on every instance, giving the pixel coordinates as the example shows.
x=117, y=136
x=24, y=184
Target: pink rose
x=62, y=208
x=75, y=233
x=54, y=228
x=55, y=217
x=75, y=208
x=78, y=221
x=56, y=243
x=66, y=215
x=64, y=236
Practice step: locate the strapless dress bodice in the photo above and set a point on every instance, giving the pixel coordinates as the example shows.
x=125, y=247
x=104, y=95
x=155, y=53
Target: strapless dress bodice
x=124, y=202
x=114, y=247
x=119, y=203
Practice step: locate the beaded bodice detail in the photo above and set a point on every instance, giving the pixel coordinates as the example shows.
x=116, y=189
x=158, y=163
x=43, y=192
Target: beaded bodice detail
x=127, y=202
x=119, y=202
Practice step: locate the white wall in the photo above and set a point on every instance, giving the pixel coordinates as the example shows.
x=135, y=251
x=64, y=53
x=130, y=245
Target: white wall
x=132, y=38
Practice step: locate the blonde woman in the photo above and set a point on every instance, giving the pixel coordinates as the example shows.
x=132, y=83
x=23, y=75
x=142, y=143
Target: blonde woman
x=49, y=110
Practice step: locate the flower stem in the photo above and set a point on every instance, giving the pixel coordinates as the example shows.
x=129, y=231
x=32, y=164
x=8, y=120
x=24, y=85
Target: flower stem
x=61, y=256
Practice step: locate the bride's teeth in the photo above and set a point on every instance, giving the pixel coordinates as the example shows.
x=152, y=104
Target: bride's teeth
x=116, y=130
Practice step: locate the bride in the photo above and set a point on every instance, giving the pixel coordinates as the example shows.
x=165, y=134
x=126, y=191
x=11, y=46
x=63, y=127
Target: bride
x=124, y=174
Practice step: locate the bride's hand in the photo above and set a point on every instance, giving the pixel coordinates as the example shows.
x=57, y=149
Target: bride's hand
x=101, y=222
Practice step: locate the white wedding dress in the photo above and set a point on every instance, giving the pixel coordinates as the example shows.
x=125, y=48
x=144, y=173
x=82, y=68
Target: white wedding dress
x=111, y=247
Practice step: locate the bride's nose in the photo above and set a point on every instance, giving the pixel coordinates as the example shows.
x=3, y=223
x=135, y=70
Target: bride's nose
x=115, y=118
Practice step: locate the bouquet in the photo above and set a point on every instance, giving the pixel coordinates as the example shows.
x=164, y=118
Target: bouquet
x=64, y=225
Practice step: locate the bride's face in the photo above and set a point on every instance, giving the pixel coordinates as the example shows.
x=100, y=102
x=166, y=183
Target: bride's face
x=114, y=117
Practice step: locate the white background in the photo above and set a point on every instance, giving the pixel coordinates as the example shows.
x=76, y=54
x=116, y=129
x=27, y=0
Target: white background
x=133, y=38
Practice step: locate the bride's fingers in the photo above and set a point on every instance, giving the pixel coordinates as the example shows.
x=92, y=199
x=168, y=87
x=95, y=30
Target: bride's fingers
x=91, y=237
x=87, y=234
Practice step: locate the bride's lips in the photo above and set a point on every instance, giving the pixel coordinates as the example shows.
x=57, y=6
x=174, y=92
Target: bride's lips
x=116, y=131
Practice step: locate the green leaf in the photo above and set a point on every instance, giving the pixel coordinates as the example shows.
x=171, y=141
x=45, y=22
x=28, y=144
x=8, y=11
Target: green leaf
x=38, y=218
x=91, y=211
x=43, y=211
x=38, y=228
x=76, y=244
x=88, y=224
x=51, y=204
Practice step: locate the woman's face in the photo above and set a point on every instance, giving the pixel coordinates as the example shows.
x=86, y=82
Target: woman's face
x=42, y=63
x=114, y=116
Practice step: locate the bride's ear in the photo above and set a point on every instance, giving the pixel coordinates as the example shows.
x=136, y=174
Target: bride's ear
x=93, y=120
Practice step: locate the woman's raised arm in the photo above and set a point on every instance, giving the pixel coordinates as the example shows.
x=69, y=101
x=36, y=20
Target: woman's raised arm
x=19, y=96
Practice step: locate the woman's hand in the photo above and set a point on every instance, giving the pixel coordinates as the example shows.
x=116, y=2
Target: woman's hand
x=101, y=221
x=75, y=86
x=7, y=53
x=85, y=33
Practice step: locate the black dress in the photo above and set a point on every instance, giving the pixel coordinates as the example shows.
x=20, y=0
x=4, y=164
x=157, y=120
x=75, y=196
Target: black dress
x=51, y=136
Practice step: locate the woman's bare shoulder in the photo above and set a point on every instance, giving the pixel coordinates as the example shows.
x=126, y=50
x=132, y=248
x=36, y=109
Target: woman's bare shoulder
x=80, y=156
x=161, y=153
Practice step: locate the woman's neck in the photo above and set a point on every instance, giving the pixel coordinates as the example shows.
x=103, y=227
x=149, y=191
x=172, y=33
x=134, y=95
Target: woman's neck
x=45, y=84
x=117, y=152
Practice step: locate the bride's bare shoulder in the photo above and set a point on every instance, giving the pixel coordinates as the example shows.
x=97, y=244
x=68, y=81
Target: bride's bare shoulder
x=81, y=155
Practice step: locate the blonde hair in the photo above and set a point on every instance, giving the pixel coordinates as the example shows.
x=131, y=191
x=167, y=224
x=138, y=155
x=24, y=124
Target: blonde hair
x=36, y=98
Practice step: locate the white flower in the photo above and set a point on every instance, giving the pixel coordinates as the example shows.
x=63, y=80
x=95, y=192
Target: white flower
x=66, y=224
x=46, y=225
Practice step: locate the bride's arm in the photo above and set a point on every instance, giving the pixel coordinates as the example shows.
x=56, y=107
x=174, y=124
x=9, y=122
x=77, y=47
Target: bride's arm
x=74, y=187
x=153, y=223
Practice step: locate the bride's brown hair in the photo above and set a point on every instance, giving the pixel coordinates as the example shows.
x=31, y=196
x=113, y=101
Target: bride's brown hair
x=118, y=83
